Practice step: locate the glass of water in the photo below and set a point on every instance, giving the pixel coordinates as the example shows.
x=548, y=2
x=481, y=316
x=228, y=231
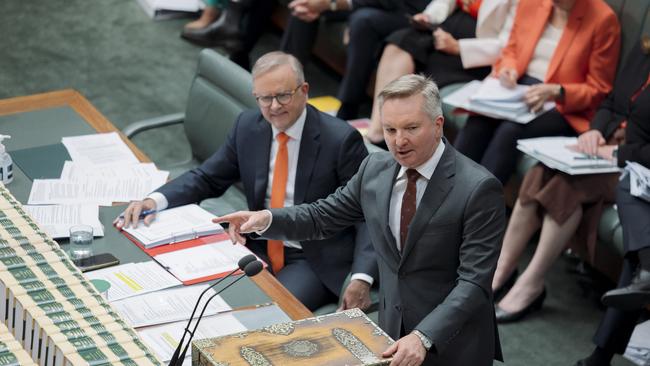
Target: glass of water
x=81, y=240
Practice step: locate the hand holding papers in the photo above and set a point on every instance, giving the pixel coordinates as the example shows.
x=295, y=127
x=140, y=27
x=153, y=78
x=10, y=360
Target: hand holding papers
x=555, y=153
x=490, y=98
x=174, y=225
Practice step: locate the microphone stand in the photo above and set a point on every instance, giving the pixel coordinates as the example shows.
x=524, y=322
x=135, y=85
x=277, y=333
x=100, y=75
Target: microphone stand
x=252, y=269
x=243, y=262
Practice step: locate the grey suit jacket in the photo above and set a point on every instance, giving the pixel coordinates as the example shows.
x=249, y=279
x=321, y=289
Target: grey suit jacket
x=330, y=153
x=441, y=283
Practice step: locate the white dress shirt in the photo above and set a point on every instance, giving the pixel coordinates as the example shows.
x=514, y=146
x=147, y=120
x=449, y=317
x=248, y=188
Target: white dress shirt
x=426, y=171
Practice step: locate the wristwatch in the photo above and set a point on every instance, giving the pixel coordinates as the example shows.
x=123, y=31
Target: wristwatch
x=426, y=342
x=333, y=5
x=615, y=153
x=562, y=92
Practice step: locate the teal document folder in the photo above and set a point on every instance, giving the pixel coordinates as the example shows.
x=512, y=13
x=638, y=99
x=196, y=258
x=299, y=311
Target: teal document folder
x=42, y=162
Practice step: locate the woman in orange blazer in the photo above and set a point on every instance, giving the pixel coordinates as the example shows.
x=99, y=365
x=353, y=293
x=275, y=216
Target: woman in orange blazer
x=568, y=51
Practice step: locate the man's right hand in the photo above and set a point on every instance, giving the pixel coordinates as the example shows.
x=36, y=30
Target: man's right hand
x=131, y=215
x=243, y=222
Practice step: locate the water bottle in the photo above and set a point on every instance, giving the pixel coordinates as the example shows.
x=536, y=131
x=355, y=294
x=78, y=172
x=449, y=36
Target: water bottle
x=6, y=164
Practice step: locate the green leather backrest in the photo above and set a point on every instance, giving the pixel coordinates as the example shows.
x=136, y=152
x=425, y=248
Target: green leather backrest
x=219, y=92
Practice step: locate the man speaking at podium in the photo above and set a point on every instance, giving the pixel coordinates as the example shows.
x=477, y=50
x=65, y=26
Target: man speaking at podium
x=436, y=220
x=285, y=153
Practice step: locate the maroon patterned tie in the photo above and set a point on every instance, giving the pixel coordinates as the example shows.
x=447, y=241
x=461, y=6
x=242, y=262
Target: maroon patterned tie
x=408, y=206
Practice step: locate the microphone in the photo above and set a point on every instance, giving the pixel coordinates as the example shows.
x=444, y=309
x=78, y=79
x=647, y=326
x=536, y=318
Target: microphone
x=251, y=269
x=241, y=265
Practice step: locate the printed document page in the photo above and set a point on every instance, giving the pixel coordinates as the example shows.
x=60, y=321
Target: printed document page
x=167, y=306
x=133, y=279
x=163, y=339
x=176, y=224
x=77, y=171
x=96, y=190
x=99, y=149
x=203, y=260
x=56, y=220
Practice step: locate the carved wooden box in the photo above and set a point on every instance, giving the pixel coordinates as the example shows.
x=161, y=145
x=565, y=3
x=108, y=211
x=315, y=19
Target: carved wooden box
x=346, y=338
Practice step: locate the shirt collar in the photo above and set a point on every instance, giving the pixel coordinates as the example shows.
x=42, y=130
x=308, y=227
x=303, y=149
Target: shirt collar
x=295, y=131
x=428, y=167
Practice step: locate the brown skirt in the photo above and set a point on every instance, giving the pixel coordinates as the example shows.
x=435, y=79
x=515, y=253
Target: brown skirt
x=560, y=194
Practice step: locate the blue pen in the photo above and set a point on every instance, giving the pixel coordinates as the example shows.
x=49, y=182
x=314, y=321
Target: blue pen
x=143, y=214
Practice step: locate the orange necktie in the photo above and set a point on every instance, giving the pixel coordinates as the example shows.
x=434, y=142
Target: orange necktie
x=275, y=248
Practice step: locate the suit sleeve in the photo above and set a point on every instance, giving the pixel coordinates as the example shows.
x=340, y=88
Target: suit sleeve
x=637, y=133
x=604, y=120
x=351, y=155
x=601, y=70
x=210, y=179
x=483, y=229
x=321, y=219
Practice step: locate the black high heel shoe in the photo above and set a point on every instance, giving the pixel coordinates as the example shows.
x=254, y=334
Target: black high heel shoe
x=499, y=293
x=506, y=317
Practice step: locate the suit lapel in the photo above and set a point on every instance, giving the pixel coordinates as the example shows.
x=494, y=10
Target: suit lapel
x=570, y=30
x=386, y=179
x=309, y=147
x=535, y=26
x=261, y=152
x=434, y=195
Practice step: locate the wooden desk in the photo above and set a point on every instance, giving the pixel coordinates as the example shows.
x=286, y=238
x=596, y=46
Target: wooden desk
x=81, y=106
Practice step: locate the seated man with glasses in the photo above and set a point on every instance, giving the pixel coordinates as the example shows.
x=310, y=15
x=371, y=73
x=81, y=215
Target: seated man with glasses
x=286, y=153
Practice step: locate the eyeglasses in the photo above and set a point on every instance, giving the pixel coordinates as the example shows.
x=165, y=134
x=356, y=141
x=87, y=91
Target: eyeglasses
x=282, y=98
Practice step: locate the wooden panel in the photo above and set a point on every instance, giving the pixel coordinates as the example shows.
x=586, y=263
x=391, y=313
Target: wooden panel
x=287, y=302
x=74, y=100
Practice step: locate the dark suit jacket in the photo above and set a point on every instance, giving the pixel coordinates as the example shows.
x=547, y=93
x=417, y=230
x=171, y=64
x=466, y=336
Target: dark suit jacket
x=441, y=283
x=330, y=154
x=619, y=107
x=403, y=6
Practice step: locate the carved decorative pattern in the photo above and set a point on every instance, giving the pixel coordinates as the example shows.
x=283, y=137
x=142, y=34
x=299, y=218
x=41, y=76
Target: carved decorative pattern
x=300, y=348
x=354, y=313
x=253, y=357
x=279, y=329
x=355, y=346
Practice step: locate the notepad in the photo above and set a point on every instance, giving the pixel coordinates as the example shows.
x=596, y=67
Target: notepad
x=175, y=225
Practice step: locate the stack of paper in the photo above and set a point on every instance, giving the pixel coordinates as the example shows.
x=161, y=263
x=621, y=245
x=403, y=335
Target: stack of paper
x=56, y=220
x=103, y=170
x=638, y=348
x=168, y=9
x=554, y=153
x=639, y=180
x=133, y=279
x=489, y=98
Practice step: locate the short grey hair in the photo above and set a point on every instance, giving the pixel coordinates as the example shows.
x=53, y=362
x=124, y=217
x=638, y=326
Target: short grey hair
x=276, y=59
x=410, y=85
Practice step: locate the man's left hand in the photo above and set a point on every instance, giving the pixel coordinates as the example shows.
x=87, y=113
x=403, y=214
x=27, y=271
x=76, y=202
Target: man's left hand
x=356, y=295
x=308, y=10
x=407, y=351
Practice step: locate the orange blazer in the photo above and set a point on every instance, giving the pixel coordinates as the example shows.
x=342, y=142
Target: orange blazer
x=585, y=59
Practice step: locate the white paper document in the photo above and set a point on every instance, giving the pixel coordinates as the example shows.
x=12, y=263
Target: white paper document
x=639, y=180
x=489, y=98
x=56, y=220
x=554, y=153
x=638, y=348
x=97, y=190
x=203, y=260
x=133, y=279
x=168, y=306
x=77, y=171
x=163, y=339
x=174, y=225
x=99, y=149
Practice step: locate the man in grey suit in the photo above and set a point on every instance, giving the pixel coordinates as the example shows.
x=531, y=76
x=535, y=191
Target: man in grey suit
x=436, y=220
x=288, y=148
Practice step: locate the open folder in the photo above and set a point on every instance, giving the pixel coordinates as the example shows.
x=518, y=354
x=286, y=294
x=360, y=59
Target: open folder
x=175, y=225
